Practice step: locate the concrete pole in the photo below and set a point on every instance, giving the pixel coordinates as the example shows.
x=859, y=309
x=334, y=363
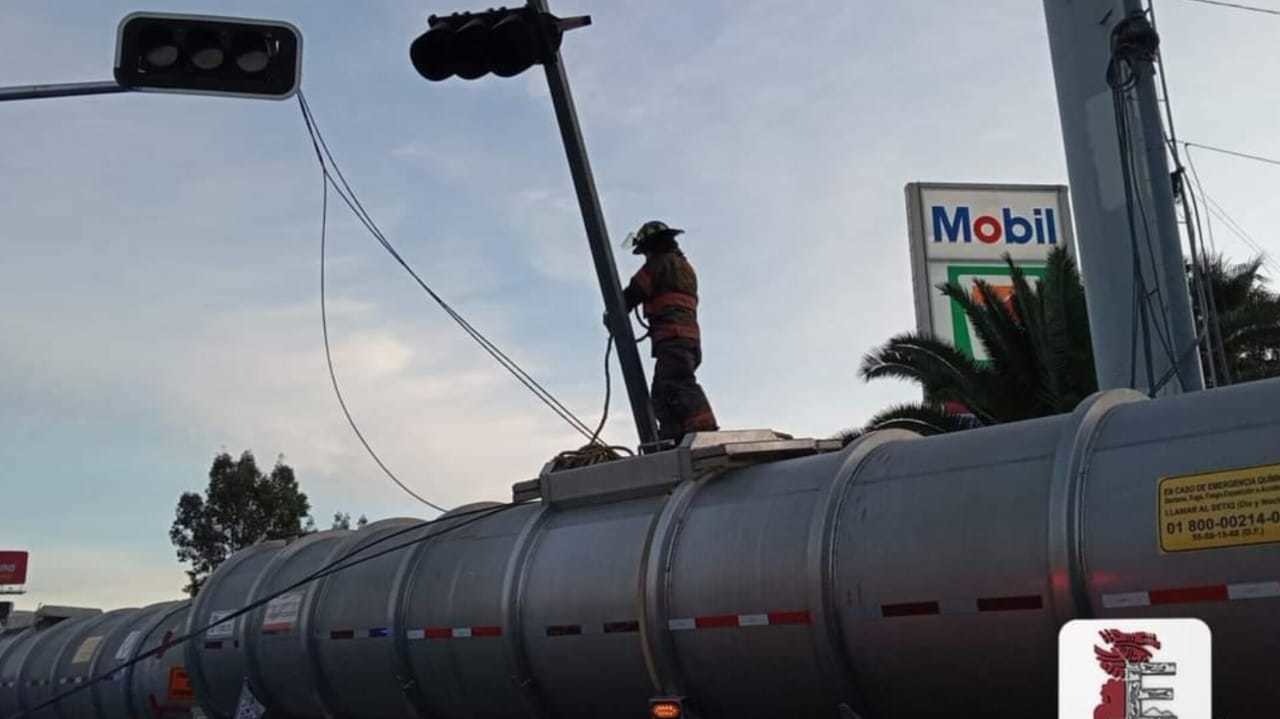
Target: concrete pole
x=1080, y=44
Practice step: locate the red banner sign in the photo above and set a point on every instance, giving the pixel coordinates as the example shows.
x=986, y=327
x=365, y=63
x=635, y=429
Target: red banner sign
x=13, y=567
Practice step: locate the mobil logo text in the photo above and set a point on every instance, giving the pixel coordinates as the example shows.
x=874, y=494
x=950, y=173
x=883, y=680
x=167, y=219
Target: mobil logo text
x=958, y=224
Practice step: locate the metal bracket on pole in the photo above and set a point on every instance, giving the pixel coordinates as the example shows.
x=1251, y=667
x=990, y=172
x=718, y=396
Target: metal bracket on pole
x=70, y=89
x=598, y=238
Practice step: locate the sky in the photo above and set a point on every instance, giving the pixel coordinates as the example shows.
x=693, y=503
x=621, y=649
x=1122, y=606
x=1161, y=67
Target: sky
x=159, y=254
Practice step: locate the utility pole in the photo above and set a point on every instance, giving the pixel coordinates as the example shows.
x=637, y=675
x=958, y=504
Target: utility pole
x=1124, y=207
x=584, y=185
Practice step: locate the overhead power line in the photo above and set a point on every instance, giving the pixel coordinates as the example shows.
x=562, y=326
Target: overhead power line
x=344, y=191
x=1213, y=208
x=1238, y=6
x=1223, y=150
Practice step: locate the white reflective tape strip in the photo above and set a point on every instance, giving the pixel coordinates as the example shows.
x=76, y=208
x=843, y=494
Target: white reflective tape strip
x=958, y=606
x=416, y=634
x=1253, y=590
x=680, y=625
x=753, y=620
x=461, y=632
x=1126, y=599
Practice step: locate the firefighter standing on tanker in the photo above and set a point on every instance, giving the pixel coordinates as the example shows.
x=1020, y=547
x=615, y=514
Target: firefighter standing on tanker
x=667, y=288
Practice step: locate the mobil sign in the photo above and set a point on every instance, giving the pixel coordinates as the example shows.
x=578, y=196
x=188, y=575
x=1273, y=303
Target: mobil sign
x=13, y=568
x=961, y=232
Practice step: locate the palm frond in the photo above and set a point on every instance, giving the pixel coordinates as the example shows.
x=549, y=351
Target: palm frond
x=944, y=372
x=924, y=418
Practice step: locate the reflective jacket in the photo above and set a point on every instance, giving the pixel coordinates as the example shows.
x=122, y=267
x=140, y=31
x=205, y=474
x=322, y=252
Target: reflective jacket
x=668, y=289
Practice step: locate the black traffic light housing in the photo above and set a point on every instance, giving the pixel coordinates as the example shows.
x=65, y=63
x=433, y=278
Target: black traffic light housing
x=169, y=52
x=504, y=42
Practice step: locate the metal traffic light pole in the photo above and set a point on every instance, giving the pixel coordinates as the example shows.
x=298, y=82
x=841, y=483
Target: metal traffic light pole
x=69, y=89
x=584, y=184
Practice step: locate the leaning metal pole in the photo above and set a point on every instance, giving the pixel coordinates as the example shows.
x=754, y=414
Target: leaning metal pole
x=1080, y=45
x=601, y=251
x=70, y=89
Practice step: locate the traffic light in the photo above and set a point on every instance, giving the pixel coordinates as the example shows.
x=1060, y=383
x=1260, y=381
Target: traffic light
x=503, y=42
x=202, y=54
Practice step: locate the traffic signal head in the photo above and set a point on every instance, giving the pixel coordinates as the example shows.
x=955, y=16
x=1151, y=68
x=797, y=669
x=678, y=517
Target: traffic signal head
x=208, y=55
x=503, y=42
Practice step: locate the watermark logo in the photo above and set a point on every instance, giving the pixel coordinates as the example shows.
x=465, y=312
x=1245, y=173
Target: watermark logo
x=1134, y=669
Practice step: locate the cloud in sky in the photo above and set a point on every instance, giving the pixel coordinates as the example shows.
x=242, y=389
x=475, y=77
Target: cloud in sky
x=159, y=269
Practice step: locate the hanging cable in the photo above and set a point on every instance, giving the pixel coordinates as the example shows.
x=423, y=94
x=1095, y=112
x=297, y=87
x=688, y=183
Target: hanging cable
x=1234, y=153
x=1238, y=6
x=344, y=190
x=337, y=565
x=328, y=358
x=1213, y=209
x=594, y=452
x=1215, y=323
x=1120, y=84
x=1203, y=296
x=1134, y=40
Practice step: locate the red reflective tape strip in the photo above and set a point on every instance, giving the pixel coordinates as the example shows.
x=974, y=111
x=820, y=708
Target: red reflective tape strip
x=716, y=621
x=669, y=300
x=621, y=627
x=668, y=330
x=342, y=634
x=1189, y=595
x=437, y=632
x=790, y=617
x=564, y=630
x=1010, y=604
x=909, y=609
x=486, y=631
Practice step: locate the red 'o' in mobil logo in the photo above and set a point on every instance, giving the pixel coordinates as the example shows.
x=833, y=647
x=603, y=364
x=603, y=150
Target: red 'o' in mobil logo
x=957, y=224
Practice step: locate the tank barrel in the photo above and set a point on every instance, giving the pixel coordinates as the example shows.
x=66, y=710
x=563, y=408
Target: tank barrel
x=751, y=575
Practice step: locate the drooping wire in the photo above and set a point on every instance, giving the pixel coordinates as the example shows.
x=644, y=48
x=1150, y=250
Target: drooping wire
x=1216, y=210
x=1120, y=84
x=1238, y=6
x=1214, y=353
x=1215, y=322
x=344, y=190
x=328, y=358
x=594, y=452
x=1234, y=153
x=353, y=203
x=608, y=390
x=337, y=565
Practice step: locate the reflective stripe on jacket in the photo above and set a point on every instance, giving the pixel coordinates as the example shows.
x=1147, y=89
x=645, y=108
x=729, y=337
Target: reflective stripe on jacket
x=667, y=287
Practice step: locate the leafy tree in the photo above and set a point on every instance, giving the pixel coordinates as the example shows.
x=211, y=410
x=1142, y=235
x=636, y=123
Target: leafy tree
x=1249, y=319
x=1037, y=339
x=240, y=507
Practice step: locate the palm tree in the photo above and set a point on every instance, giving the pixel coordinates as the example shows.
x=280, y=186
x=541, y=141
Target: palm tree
x=1041, y=355
x=1041, y=359
x=1249, y=318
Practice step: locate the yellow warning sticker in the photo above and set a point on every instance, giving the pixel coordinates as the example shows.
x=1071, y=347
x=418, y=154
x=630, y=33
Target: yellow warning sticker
x=1230, y=508
x=85, y=652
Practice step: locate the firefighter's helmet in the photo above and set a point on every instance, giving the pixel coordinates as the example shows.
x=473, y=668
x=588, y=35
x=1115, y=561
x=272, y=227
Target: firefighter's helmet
x=639, y=240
